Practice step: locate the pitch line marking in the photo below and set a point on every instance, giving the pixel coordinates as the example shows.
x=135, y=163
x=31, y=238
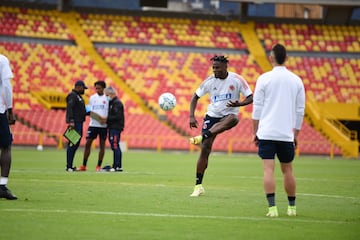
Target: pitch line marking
x=325, y=195
x=165, y=215
x=164, y=185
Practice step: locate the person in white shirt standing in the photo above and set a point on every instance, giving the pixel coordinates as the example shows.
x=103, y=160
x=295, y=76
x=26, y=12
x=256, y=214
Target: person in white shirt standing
x=278, y=112
x=98, y=107
x=224, y=89
x=6, y=118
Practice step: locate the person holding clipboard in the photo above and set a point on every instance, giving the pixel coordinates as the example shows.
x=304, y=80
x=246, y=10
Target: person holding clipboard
x=75, y=118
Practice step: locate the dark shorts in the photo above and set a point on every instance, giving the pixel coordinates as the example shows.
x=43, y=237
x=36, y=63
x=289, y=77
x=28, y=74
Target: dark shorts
x=93, y=132
x=209, y=122
x=5, y=133
x=285, y=151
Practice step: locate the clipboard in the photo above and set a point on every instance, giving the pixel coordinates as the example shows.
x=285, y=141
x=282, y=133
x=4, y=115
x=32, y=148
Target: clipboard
x=72, y=135
x=95, y=116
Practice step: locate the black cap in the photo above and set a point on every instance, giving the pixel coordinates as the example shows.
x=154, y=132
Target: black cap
x=81, y=84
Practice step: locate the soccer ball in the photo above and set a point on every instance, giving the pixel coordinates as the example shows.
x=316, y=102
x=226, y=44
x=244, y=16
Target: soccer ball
x=167, y=101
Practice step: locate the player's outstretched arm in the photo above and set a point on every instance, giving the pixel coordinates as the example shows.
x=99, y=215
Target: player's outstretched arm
x=248, y=100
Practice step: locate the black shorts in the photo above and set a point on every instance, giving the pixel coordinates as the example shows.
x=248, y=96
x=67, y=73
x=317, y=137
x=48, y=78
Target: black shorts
x=285, y=151
x=93, y=132
x=209, y=122
x=5, y=133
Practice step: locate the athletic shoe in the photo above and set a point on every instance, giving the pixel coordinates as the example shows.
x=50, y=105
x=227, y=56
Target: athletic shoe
x=72, y=169
x=98, y=168
x=106, y=168
x=5, y=193
x=117, y=169
x=198, y=190
x=273, y=212
x=291, y=211
x=196, y=140
x=82, y=168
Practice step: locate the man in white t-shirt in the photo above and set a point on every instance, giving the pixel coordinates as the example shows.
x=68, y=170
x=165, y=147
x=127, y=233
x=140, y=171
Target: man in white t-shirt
x=6, y=118
x=278, y=111
x=224, y=89
x=98, y=107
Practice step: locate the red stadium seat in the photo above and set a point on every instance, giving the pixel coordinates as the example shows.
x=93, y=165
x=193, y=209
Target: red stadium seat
x=40, y=67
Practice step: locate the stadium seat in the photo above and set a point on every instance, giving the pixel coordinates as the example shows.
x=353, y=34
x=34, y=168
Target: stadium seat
x=157, y=30
x=310, y=37
x=329, y=78
x=40, y=66
x=32, y=23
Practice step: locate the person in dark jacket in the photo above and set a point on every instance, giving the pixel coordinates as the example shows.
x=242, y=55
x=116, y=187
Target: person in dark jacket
x=75, y=117
x=115, y=122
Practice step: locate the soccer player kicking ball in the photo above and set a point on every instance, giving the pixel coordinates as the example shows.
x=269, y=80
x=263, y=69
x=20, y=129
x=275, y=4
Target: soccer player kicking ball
x=224, y=89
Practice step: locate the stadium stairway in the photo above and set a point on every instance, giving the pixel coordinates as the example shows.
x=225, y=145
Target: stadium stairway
x=333, y=129
x=82, y=40
x=247, y=31
x=55, y=23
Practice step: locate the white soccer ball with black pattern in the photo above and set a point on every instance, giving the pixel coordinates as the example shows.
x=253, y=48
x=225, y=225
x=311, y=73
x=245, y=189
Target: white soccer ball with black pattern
x=167, y=101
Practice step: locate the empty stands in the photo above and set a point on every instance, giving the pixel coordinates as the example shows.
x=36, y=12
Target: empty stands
x=42, y=66
x=310, y=37
x=32, y=23
x=161, y=31
x=329, y=79
x=151, y=73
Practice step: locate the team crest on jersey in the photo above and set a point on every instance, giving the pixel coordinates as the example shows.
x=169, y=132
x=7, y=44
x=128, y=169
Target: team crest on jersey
x=231, y=87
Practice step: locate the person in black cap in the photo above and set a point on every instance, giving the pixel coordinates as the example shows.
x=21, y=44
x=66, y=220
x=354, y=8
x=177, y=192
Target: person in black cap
x=75, y=117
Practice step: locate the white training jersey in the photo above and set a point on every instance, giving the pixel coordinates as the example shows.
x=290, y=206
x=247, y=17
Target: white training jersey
x=6, y=95
x=222, y=91
x=278, y=104
x=100, y=105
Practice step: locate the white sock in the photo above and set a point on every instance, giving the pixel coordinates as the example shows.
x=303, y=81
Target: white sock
x=3, y=180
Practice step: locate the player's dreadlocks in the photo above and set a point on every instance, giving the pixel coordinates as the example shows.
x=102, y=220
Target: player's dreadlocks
x=221, y=59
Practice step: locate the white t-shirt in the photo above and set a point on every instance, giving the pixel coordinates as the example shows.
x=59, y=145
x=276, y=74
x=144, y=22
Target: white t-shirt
x=6, y=95
x=222, y=91
x=100, y=105
x=278, y=104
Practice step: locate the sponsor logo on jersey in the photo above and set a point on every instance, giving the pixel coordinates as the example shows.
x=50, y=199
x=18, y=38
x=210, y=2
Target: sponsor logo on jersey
x=222, y=97
x=97, y=107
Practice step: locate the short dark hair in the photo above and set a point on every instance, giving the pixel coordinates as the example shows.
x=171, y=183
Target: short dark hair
x=101, y=83
x=221, y=59
x=279, y=53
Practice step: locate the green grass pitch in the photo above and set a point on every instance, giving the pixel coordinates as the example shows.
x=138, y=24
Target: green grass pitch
x=150, y=199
